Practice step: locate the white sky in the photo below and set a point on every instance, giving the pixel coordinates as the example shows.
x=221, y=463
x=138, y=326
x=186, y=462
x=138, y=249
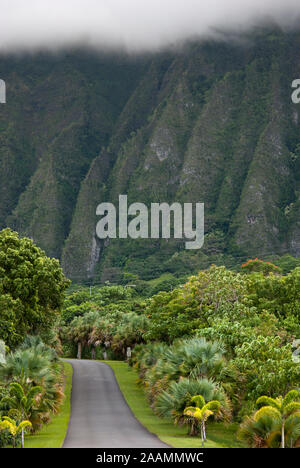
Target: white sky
x=137, y=25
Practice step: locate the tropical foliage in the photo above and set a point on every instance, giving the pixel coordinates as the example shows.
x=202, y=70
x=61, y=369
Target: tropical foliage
x=205, y=350
x=14, y=429
x=32, y=288
x=200, y=411
x=32, y=388
x=179, y=395
x=275, y=424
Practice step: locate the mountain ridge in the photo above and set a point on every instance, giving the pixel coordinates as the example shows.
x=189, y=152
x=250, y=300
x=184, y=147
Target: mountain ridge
x=212, y=123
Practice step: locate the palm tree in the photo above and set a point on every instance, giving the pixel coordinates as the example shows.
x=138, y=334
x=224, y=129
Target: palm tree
x=280, y=408
x=201, y=358
x=276, y=423
x=201, y=412
x=260, y=433
x=172, y=402
x=36, y=344
x=144, y=357
x=13, y=428
x=27, y=367
x=193, y=358
x=80, y=329
x=129, y=331
x=22, y=403
x=36, y=366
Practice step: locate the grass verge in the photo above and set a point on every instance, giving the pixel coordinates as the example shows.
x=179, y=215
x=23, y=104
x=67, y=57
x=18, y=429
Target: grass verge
x=52, y=435
x=219, y=435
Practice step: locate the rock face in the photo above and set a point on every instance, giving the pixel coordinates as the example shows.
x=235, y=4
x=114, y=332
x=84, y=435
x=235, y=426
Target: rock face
x=212, y=123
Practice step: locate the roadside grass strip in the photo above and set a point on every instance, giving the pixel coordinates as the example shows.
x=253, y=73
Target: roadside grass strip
x=219, y=435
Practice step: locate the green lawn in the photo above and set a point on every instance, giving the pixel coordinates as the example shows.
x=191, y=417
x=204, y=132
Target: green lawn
x=52, y=435
x=219, y=435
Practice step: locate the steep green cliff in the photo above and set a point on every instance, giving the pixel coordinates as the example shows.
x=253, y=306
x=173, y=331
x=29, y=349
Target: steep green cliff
x=213, y=122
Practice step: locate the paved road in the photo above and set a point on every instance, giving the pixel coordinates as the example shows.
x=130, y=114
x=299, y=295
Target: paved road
x=100, y=417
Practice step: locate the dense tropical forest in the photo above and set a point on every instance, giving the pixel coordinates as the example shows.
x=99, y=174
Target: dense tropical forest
x=220, y=347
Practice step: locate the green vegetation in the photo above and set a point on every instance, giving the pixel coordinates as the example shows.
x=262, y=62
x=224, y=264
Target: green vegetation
x=224, y=335
x=31, y=289
x=52, y=435
x=200, y=355
x=21, y=405
x=14, y=429
x=276, y=424
x=220, y=434
x=32, y=385
x=200, y=411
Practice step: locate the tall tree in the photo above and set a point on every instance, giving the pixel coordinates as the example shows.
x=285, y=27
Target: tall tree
x=32, y=288
x=201, y=412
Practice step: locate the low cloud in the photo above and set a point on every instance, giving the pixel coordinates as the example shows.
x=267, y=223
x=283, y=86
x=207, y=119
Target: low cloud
x=134, y=25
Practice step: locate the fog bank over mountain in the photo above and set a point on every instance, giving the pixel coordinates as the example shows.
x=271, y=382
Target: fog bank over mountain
x=133, y=25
